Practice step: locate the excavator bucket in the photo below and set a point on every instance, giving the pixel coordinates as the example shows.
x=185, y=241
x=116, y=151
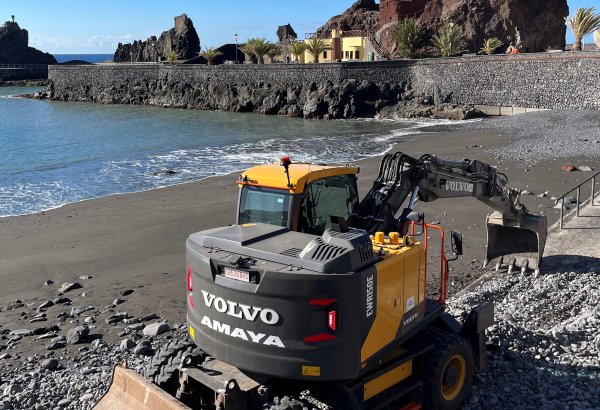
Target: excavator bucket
x=129, y=391
x=515, y=241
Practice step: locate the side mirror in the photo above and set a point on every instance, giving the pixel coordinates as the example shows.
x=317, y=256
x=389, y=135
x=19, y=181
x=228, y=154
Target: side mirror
x=457, y=245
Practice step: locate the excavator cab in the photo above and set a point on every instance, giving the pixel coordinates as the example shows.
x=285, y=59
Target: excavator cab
x=301, y=198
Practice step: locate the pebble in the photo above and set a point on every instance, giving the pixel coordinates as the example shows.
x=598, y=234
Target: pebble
x=143, y=348
x=67, y=287
x=127, y=344
x=78, y=334
x=50, y=364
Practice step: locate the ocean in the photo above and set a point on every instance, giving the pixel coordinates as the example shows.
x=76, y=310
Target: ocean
x=55, y=153
x=90, y=58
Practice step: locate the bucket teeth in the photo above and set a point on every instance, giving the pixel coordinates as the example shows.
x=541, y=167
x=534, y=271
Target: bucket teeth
x=510, y=268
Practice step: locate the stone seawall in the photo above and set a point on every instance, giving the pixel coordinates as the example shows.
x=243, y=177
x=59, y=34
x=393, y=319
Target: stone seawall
x=342, y=90
x=28, y=73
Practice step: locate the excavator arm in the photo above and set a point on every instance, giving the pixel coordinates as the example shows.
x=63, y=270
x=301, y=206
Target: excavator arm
x=515, y=237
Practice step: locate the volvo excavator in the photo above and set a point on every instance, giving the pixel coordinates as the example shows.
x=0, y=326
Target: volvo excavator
x=323, y=298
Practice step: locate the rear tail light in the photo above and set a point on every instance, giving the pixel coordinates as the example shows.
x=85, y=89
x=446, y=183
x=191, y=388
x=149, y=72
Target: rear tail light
x=332, y=320
x=189, y=278
x=321, y=337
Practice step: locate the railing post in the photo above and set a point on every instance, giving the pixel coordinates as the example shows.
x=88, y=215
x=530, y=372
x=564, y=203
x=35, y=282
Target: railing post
x=593, y=190
x=562, y=211
x=578, y=195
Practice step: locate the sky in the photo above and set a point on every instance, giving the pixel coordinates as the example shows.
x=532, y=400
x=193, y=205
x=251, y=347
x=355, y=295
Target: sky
x=96, y=27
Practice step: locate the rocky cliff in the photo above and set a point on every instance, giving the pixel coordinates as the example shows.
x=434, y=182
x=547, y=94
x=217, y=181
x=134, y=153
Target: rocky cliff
x=538, y=24
x=183, y=39
x=363, y=15
x=14, y=47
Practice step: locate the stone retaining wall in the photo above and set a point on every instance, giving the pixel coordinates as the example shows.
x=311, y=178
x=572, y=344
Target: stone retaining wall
x=539, y=81
x=30, y=73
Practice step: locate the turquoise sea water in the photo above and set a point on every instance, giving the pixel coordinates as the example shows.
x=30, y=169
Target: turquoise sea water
x=52, y=153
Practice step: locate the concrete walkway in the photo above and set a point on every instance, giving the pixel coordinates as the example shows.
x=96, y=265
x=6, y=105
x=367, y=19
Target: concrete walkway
x=576, y=247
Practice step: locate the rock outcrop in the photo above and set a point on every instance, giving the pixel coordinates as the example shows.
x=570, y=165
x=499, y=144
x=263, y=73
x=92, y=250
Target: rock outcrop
x=538, y=24
x=535, y=25
x=14, y=47
x=182, y=39
x=363, y=15
x=286, y=33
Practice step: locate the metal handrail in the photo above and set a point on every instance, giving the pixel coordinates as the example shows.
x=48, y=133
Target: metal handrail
x=578, y=188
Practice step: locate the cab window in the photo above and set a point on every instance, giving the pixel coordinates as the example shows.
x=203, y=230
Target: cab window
x=265, y=205
x=332, y=196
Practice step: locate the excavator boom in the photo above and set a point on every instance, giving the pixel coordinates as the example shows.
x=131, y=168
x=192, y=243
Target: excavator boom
x=515, y=236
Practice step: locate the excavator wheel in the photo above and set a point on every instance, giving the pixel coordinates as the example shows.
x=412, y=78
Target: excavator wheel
x=163, y=370
x=448, y=372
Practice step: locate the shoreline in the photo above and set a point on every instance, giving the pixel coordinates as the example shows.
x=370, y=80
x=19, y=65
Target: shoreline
x=413, y=133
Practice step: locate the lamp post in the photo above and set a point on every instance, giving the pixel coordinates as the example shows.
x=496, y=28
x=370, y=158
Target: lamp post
x=236, y=47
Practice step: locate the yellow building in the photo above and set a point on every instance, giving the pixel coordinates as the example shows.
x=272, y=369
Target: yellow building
x=342, y=46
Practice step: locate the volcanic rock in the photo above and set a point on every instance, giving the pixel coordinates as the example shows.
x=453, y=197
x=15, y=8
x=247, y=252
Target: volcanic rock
x=362, y=15
x=78, y=335
x=143, y=348
x=286, y=33
x=536, y=25
x=182, y=39
x=156, y=329
x=14, y=47
x=50, y=364
x=67, y=287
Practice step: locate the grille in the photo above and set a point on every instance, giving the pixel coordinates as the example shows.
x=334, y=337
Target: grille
x=293, y=252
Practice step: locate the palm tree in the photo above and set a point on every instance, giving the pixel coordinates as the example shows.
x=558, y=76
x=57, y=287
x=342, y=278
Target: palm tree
x=258, y=48
x=585, y=21
x=273, y=52
x=316, y=46
x=297, y=48
x=490, y=45
x=210, y=54
x=449, y=40
x=171, y=56
x=409, y=38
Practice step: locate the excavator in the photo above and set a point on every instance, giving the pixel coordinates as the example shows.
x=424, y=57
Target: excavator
x=321, y=297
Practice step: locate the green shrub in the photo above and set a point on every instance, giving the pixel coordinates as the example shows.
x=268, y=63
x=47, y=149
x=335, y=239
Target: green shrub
x=449, y=40
x=409, y=38
x=490, y=45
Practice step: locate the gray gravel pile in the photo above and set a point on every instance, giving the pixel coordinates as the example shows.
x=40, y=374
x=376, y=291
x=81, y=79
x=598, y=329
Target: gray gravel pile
x=544, y=349
x=543, y=135
x=77, y=382
x=76, y=365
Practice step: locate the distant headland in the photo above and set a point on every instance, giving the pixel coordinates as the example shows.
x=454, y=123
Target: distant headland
x=14, y=46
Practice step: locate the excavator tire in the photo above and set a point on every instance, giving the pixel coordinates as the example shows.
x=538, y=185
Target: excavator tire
x=163, y=370
x=448, y=372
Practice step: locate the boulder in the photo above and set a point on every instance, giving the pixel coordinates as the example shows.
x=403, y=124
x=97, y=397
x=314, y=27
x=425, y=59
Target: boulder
x=182, y=39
